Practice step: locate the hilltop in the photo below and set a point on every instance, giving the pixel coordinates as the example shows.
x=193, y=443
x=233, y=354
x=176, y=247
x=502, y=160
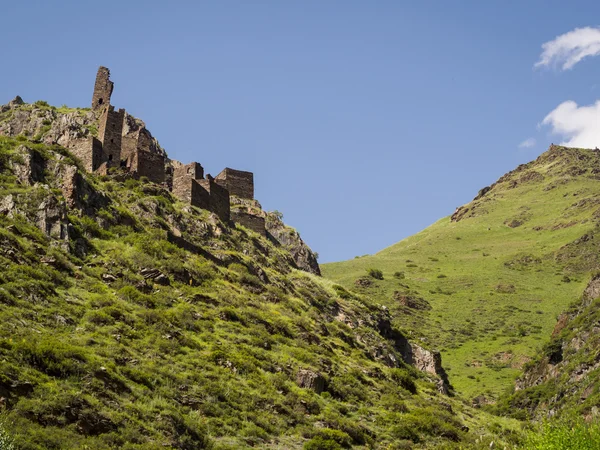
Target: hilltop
x=136, y=314
x=486, y=285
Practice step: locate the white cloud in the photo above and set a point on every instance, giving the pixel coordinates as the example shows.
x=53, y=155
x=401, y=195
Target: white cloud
x=577, y=124
x=568, y=49
x=527, y=143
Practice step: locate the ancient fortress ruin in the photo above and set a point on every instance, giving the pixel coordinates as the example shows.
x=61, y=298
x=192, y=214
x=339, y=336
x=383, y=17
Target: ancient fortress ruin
x=112, y=143
x=124, y=144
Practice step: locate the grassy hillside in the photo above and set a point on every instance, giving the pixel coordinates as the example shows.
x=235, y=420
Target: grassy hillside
x=497, y=275
x=130, y=320
x=563, y=380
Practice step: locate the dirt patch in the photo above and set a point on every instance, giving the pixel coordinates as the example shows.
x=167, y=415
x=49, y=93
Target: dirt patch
x=411, y=301
x=506, y=289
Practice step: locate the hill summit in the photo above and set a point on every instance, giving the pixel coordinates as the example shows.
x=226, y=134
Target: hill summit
x=485, y=285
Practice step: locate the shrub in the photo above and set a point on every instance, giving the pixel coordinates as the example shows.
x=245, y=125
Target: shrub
x=320, y=443
x=375, y=273
x=403, y=378
x=399, y=275
x=277, y=214
x=51, y=356
x=328, y=439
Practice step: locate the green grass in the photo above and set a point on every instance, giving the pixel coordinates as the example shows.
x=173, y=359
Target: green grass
x=95, y=355
x=495, y=290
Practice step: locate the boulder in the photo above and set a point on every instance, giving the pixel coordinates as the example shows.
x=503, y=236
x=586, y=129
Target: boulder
x=310, y=380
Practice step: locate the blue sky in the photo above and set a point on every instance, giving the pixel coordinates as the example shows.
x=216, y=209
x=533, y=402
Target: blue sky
x=364, y=122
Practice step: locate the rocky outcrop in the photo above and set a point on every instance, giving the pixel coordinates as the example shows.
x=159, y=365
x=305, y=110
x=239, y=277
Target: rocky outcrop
x=51, y=218
x=310, y=380
x=290, y=239
x=27, y=166
x=134, y=129
x=427, y=361
x=76, y=190
x=279, y=233
x=49, y=125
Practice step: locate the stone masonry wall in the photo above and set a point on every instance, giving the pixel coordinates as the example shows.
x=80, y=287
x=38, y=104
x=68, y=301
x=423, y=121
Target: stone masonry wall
x=109, y=133
x=128, y=147
x=89, y=151
x=237, y=182
x=103, y=89
x=250, y=221
x=146, y=164
x=218, y=199
x=182, y=182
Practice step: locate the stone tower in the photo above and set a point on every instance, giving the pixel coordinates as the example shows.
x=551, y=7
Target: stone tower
x=103, y=89
x=109, y=133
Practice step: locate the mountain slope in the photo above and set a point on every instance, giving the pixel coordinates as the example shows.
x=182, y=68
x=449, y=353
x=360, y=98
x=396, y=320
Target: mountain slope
x=486, y=285
x=563, y=381
x=131, y=320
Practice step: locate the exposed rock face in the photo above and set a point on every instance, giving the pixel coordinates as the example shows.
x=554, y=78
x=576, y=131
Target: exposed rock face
x=275, y=230
x=289, y=238
x=310, y=380
x=50, y=125
x=592, y=291
x=424, y=360
x=137, y=136
x=77, y=192
x=28, y=167
x=51, y=218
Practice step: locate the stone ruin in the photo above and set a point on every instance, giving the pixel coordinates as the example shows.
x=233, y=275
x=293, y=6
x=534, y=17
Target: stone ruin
x=124, y=144
x=111, y=142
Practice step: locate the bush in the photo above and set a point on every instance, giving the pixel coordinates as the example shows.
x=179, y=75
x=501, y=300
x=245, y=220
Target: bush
x=399, y=275
x=51, y=356
x=375, y=273
x=403, y=378
x=320, y=443
x=328, y=439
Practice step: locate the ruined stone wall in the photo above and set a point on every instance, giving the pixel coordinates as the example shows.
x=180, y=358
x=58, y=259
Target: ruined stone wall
x=237, y=182
x=104, y=168
x=88, y=151
x=182, y=189
x=109, y=133
x=137, y=136
x=103, y=89
x=182, y=186
x=218, y=201
x=128, y=147
x=250, y=221
x=146, y=164
x=194, y=170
